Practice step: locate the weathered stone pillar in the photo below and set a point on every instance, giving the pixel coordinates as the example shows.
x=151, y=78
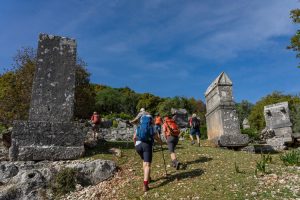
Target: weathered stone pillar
x=221, y=118
x=50, y=134
x=278, y=121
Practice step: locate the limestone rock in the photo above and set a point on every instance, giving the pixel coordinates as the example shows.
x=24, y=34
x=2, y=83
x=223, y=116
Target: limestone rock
x=30, y=180
x=181, y=117
x=238, y=140
x=91, y=173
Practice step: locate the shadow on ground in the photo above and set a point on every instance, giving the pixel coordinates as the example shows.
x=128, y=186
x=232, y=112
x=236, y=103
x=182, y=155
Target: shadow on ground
x=178, y=176
x=201, y=159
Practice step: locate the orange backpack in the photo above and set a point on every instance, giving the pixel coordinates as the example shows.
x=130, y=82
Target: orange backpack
x=158, y=120
x=172, y=127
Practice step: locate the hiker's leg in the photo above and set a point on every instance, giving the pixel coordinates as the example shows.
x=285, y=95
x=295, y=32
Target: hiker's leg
x=147, y=155
x=192, y=138
x=198, y=138
x=147, y=170
x=173, y=156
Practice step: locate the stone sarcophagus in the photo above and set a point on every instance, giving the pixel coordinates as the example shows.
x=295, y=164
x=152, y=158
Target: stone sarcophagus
x=221, y=117
x=49, y=133
x=278, y=131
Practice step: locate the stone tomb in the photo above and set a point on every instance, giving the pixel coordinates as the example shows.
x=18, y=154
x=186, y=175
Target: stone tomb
x=278, y=123
x=222, y=121
x=50, y=134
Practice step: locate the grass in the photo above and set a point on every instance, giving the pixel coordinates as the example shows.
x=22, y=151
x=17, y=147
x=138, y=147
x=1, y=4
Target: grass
x=207, y=173
x=291, y=158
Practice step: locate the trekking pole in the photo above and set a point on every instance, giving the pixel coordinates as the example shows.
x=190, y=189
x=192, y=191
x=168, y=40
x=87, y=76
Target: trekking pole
x=163, y=156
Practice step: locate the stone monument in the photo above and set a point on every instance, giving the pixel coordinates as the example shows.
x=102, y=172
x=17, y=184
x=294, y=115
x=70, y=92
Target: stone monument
x=50, y=134
x=181, y=117
x=221, y=118
x=246, y=124
x=278, y=123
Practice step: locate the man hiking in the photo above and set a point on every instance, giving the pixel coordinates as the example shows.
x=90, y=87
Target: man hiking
x=158, y=122
x=171, y=132
x=195, y=129
x=95, y=121
x=144, y=138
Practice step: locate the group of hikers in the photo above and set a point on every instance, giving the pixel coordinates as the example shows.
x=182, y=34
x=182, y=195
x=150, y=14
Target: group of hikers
x=148, y=129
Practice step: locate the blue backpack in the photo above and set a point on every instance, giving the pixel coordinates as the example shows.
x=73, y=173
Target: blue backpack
x=145, y=130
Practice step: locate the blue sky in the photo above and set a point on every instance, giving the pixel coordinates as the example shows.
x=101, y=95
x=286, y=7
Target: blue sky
x=168, y=48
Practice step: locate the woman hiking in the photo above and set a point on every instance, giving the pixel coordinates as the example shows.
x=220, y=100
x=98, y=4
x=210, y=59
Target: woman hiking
x=171, y=132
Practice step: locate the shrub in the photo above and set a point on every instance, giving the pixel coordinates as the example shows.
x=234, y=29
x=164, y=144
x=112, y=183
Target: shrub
x=2, y=128
x=261, y=165
x=203, y=132
x=115, y=124
x=252, y=133
x=237, y=169
x=291, y=158
x=118, y=115
x=64, y=182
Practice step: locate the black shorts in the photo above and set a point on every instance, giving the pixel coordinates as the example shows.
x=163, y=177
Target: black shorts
x=145, y=151
x=172, y=141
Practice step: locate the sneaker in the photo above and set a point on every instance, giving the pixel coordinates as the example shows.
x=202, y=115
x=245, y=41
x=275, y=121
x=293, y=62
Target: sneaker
x=192, y=142
x=145, y=188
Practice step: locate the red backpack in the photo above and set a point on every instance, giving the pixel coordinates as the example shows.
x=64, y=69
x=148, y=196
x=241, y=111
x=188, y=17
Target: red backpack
x=96, y=119
x=172, y=127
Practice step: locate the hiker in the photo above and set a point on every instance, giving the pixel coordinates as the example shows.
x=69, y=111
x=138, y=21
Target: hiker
x=158, y=122
x=139, y=115
x=95, y=121
x=144, y=138
x=195, y=129
x=171, y=132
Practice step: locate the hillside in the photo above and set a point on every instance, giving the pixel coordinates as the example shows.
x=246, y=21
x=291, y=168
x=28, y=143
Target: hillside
x=206, y=173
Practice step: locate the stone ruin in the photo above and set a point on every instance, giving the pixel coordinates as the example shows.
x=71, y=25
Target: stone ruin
x=50, y=133
x=221, y=118
x=181, y=117
x=278, y=131
x=246, y=124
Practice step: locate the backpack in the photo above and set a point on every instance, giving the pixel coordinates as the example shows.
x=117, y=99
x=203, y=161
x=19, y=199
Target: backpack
x=158, y=121
x=96, y=119
x=145, y=130
x=195, y=123
x=172, y=127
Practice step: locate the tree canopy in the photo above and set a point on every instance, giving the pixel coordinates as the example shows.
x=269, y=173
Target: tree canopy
x=295, y=40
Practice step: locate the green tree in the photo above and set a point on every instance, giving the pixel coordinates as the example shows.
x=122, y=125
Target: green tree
x=295, y=40
x=108, y=100
x=149, y=102
x=84, y=92
x=256, y=117
x=243, y=109
x=15, y=87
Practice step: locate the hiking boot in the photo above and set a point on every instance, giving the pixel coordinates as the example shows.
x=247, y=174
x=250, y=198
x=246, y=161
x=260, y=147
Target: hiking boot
x=173, y=163
x=145, y=188
x=177, y=165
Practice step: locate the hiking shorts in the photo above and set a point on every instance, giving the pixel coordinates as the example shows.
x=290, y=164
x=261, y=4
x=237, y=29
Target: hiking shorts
x=157, y=129
x=195, y=131
x=145, y=151
x=172, y=141
x=95, y=127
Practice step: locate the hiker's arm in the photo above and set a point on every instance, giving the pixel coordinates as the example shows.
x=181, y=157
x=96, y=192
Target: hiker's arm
x=136, y=119
x=134, y=138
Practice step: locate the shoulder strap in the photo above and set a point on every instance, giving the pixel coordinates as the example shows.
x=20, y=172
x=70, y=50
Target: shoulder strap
x=171, y=130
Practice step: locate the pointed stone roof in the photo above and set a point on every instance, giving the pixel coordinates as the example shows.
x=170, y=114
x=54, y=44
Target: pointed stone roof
x=222, y=79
